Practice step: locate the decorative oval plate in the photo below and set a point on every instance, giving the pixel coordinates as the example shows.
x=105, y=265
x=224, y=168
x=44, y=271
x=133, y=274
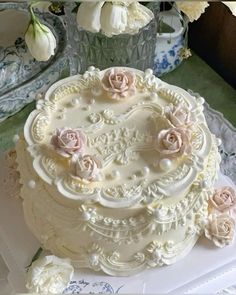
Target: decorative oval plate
x=21, y=76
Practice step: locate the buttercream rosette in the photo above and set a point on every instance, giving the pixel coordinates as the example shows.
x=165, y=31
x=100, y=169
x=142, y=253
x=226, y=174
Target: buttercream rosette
x=220, y=229
x=119, y=83
x=179, y=116
x=86, y=167
x=223, y=199
x=173, y=142
x=68, y=141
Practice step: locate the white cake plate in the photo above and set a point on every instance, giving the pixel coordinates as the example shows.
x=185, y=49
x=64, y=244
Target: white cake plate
x=205, y=269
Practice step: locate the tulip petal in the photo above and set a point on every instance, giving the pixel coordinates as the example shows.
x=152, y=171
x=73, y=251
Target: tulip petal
x=138, y=17
x=114, y=18
x=88, y=16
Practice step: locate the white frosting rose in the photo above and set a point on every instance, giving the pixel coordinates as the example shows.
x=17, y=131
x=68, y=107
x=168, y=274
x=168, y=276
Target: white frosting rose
x=179, y=116
x=49, y=275
x=86, y=167
x=68, y=141
x=119, y=83
x=223, y=199
x=220, y=229
x=173, y=142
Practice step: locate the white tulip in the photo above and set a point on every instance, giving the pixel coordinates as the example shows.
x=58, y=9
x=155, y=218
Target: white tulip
x=49, y=275
x=114, y=18
x=88, y=16
x=40, y=41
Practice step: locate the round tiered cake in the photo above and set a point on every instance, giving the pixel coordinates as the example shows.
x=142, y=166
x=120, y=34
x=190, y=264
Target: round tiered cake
x=116, y=170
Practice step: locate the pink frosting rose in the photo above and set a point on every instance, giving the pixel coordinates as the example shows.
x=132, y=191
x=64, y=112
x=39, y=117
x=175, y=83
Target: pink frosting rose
x=179, y=116
x=68, y=141
x=220, y=229
x=173, y=142
x=119, y=83
x=223, y=199
x=86, y=167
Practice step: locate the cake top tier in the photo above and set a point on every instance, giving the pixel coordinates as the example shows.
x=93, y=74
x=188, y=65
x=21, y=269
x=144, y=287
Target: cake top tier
x=118, y=137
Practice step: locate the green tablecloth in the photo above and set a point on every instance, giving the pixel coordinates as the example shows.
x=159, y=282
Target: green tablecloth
x=192, y=74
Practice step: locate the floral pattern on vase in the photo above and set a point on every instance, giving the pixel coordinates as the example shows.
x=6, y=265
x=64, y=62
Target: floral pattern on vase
x=169, y=45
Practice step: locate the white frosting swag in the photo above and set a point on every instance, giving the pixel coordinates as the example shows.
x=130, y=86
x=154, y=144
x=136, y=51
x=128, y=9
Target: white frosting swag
x=113, y=18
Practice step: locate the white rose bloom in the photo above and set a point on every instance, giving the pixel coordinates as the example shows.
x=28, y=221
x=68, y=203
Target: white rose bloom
x=114, y=18
x=232, y=6
x=193, y=9
x=40, y=41
x=88, y=16
x=49, y=275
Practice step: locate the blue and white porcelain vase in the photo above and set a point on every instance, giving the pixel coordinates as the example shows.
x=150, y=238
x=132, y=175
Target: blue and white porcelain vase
x=170, y=45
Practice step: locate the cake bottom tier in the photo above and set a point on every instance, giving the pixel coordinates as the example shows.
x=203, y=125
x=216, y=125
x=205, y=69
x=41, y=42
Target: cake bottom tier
x=90, y=249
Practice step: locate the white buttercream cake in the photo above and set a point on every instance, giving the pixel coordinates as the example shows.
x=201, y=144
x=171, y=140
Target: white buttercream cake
x=117, y=168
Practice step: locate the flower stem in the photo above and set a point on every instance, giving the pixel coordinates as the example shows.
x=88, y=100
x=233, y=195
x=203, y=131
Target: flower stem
x=35, y=257
x=33, y=17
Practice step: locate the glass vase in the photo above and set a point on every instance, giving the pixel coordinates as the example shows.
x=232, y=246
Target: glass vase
x=96, y=49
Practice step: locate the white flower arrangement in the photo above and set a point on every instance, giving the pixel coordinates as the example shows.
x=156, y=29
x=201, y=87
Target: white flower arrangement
x=194, y=9
x=113, y=17
x=108, y=17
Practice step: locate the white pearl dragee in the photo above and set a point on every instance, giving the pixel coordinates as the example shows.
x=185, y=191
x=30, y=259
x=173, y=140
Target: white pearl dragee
x=153, y=96
x=32, y=184
x=39, y=96
x=204, y=184
x=75, y=101
x=115, y=174
x=165, y=164
x=86, y=216
x=218, y=141
x=91, y=68
x=145, y=171
x=15, y=138
x=149, y=72
x=200, y=100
